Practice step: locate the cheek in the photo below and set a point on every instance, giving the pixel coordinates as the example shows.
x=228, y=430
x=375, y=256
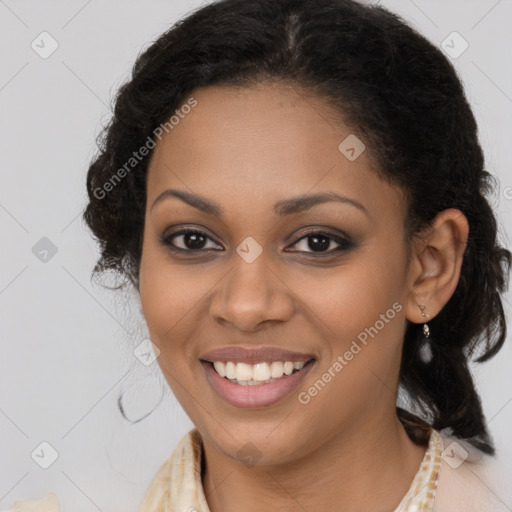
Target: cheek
x=361, y=304
x=357, y=293
x=168, y=293
x=359, y=309
x=168, y=296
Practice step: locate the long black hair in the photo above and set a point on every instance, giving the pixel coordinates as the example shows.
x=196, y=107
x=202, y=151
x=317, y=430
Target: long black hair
x=398, y=92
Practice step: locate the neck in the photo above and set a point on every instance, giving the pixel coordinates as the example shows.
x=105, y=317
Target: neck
x=370, y=467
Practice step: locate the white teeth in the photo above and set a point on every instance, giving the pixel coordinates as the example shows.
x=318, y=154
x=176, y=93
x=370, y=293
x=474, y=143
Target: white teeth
x=230, y=370
x=252, y=374
x=276, y=369
x=221, y=368
x=243, y=371
x=288, y=367
x=260, y=372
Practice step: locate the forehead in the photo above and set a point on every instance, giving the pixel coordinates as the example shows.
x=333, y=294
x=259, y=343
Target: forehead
x=257, y=145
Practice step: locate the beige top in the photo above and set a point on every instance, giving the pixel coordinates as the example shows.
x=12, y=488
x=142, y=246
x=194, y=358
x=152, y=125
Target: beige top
x=449, y=479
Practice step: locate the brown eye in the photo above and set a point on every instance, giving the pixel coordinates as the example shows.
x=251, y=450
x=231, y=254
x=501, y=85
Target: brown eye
x=191, y=240
x=319, y=241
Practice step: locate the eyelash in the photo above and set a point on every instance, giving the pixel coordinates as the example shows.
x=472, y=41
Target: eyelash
x=345, y=243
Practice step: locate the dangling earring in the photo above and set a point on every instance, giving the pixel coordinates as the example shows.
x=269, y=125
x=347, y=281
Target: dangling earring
x=425, y=349
x=426, y=329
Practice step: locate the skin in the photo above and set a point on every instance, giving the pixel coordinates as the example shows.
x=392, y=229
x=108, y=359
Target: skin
x=247, y=149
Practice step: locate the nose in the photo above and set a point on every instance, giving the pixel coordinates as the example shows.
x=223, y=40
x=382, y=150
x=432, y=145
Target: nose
x=252, y=294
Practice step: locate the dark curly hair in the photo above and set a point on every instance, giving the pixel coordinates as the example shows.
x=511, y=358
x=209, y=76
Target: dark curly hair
x=398, y=92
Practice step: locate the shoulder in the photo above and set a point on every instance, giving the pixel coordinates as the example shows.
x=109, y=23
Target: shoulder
x=470, y=481
x=48, y=503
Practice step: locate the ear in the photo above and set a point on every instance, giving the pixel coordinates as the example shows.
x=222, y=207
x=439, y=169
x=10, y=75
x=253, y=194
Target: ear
x=436, y=261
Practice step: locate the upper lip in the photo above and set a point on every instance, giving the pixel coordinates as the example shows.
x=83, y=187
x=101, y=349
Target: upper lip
x=254, y=355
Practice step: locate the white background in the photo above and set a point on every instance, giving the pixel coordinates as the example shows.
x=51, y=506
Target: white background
x=67, y=344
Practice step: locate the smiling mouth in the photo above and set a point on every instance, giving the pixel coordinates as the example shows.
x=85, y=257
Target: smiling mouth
x=258, y=374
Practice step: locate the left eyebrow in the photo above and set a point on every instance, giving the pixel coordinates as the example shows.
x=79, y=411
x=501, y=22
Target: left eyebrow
x=282, y=208
x=305, y=202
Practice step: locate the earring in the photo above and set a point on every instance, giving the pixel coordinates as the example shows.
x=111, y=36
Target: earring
x=426, y=329
x=426, y=347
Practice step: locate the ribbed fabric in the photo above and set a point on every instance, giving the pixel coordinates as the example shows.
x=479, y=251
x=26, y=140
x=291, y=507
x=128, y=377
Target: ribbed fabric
x=422, y=492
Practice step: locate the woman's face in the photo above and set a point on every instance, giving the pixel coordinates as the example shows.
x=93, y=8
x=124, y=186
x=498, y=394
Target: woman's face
x=256, y=279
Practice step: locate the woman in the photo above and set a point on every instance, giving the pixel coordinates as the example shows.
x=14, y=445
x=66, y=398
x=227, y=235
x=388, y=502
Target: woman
x=296, y=190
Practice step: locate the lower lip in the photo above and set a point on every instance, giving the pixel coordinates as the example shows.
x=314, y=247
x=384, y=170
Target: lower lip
x=259, y=395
